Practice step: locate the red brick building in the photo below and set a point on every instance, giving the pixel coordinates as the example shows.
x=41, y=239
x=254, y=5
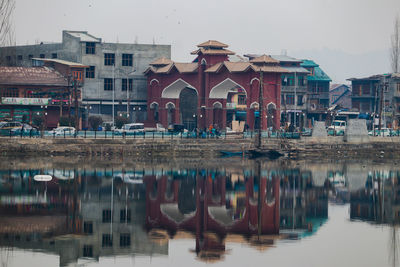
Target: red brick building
x=45, y=90
x=214, y=90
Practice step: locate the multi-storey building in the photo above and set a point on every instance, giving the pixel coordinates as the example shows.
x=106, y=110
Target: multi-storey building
x=371, y=93
x=114, y=76
x=340, y=95
x=318, y=91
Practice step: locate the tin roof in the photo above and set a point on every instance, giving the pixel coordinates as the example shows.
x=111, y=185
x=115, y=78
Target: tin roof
x=264, y=59
x=308, y=64
x=63, y=62
x=212, y=43
x=180, y=67
x=31, y=76
x=212, y=51
x=161, y=61
x=319, y=75
x=84, y=36
x=245, y=66
x=296, y=69
x=284, y=58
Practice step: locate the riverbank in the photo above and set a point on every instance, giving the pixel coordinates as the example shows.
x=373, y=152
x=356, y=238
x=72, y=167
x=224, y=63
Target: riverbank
x=145, y=149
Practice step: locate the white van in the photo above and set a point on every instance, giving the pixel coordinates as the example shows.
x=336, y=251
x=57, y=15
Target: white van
x=132, y=128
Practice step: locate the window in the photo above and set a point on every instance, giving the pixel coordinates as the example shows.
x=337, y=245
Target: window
x=106, y=216
x=127, y=60
x=54, y=55
x=19, y=57
x=88, y=227
x=125, y=83
x=124, y=240
x=42, y=55
x=300, y=100
x=107, y=240
x=398, y=87
x=109, y=59
x=8, y=58
x=10, y=92
x=108, y=84
x=90, y=48
x=77, y=75
x=290, y=99
x=90, y=72
x=30, y=57
x=241, y=100
x=125, y=216
x=366, y=89
x=87, y=251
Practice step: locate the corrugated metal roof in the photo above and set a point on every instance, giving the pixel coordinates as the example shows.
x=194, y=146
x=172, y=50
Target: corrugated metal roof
x=307, y=63
x=284, y=58
x=296, y=69
x=31, y=76
x=60, y=61
x=264, y=59
x=84, y=36
x=319, y=75
x=212, y=51
x=212, y=43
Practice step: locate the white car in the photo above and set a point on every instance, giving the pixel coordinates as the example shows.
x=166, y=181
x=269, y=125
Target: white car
x=60, y=131
x=131, y=128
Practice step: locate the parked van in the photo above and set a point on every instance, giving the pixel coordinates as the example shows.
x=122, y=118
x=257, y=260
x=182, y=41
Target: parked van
x=131, y=128
x=337, y=128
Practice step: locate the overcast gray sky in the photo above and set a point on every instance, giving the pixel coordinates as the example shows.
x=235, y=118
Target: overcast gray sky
x=253, y=26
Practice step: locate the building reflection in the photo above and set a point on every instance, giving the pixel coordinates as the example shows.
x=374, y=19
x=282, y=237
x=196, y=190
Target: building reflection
x=86, y=214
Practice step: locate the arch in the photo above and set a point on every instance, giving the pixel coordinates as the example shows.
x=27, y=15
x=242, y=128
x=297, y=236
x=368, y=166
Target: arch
x=174, y=89
x=254, y=105
x=170, y=105
x=254, y=79
x=222, y=89
x=154, y=105
x=154, y=80
x=217, y=104
x=271, y=105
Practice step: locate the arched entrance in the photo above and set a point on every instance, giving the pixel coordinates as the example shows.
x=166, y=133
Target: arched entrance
x=154, y=111
x=170, y=113
x=217, y=114
x=271, y=115
x=188, y=108
x=235, y=112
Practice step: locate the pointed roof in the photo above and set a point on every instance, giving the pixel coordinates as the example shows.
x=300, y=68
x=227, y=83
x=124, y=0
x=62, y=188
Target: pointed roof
x=212, y=51
x=167, y=68
x=212, y=43
x=245, y=66
x=264, y=59
x=161, y=61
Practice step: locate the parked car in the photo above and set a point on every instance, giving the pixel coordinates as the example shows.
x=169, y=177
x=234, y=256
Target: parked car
x=131, y=128
x=383, y=132
x=25, y=130
x=158, y=128
x=176, y=128
x=60, y=131
x=7, y=126
x=337, y=128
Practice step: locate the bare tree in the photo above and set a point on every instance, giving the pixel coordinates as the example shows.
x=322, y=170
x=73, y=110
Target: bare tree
x=6, y=29
x=395, y=50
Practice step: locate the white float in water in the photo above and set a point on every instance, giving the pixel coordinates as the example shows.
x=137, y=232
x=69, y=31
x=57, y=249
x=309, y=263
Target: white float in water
x=42, y=178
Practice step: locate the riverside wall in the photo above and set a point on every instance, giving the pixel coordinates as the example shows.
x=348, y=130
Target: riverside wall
x=304, y=148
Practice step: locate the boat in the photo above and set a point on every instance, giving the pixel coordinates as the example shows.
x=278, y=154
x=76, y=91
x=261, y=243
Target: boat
x=258, y=153
x=225, y=153
x=42, y=178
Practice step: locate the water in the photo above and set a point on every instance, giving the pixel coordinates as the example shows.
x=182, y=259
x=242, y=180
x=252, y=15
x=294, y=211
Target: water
x=229, y=213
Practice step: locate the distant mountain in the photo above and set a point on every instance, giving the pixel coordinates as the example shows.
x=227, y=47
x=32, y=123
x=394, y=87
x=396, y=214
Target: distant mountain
x=340, y=65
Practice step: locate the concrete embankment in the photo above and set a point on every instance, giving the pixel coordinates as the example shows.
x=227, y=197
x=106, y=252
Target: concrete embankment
x=332, y=147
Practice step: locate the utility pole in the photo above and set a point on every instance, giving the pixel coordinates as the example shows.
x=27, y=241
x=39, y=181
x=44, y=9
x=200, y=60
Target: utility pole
x=381, y=102
x=76, y=104
x=295, y=99
x=260, y=108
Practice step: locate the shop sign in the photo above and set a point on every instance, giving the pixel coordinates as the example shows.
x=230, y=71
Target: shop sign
x=25, y=101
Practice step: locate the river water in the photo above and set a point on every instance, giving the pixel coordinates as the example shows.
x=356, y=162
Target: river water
x=228, y=213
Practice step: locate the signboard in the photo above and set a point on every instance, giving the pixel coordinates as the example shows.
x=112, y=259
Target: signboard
x=25, y=101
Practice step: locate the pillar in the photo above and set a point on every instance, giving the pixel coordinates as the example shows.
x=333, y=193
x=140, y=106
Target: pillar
x=250, y=117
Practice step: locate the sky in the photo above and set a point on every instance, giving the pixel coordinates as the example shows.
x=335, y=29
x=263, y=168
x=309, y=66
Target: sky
x=323, y=30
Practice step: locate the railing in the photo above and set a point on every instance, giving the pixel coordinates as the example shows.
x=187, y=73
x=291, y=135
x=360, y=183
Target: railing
x=32, y=133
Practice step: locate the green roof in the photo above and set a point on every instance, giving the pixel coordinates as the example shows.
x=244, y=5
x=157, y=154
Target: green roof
x=319, y=74
x=308, y=63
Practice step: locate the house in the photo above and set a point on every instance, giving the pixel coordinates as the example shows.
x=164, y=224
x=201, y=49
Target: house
x=114, y=76
x=46, y=91
x=318, y=91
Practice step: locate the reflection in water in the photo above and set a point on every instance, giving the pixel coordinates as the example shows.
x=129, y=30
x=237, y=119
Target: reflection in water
x=91, y=213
